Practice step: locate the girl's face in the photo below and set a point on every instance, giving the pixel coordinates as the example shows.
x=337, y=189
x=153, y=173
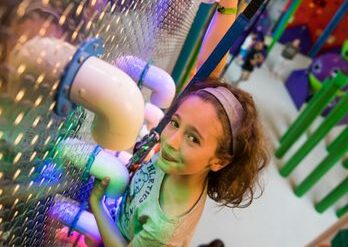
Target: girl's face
x=189, y=141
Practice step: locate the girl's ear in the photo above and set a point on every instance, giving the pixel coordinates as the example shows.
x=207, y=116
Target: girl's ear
x=217, y=164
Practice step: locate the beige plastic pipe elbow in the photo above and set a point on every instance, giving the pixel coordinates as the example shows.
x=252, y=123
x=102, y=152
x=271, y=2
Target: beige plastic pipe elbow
x=107, y=91
x=115, y=99
x=156, y=79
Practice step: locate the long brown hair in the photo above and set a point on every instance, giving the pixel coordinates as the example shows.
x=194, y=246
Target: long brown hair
x=235, y=184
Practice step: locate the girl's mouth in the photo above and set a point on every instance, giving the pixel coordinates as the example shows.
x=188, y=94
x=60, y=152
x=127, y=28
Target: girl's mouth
x=167, y=157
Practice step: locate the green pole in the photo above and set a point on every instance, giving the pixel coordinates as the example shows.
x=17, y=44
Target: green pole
x=284, y=22
x=335, y=144
x=190, y=66
x=193, y=40
x=325, y=165
x=345, y=163
x=315, y=106
x=342, y=211
x=332, y=197
x=344, y=52
x=336, y=114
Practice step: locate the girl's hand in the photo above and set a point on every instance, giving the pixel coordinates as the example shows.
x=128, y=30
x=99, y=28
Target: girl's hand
x=98, y=191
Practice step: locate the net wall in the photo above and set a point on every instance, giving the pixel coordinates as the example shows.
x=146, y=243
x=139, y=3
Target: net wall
x=32, y=172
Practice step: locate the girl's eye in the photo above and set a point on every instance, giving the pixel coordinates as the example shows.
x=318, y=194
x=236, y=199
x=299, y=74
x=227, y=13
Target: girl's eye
x=193, y=139
x=174, y=123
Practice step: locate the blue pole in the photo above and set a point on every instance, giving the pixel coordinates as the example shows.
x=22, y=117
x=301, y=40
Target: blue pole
x=202, y=17
x=329, y=28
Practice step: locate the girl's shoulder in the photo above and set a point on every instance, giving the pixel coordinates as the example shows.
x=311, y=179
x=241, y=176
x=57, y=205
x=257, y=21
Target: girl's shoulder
x=150, y=164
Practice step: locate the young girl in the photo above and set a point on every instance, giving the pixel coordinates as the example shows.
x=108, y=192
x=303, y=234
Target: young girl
x=212, y=146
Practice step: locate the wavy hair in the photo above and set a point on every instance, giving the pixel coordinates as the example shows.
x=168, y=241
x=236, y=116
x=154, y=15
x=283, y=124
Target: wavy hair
x=235, y=184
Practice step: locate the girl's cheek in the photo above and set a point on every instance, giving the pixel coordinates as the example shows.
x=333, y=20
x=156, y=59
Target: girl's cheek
x=163, y=135
x=164, y=138
x=166, y=133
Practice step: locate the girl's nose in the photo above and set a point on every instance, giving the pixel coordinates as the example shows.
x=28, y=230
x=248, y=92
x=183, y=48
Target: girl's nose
x=174, y=140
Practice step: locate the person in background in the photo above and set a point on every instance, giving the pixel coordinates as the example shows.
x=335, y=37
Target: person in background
x=288, y=54
x=244, y=49
x=254, y=58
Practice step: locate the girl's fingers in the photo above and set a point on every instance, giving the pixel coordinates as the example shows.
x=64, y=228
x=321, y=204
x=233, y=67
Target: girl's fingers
x=98, y=191
x=100, y=186
x=105, y=182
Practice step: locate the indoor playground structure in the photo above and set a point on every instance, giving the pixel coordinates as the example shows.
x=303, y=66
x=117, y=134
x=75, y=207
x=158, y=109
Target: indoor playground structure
x=303, y=84
x=81, y=83
x=320, y=89
x=73, y=75
x=86, y=89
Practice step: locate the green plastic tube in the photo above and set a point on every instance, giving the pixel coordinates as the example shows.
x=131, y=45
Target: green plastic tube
x=342, y=211
x=315, y=106
x=336, y=115
x=332, y=197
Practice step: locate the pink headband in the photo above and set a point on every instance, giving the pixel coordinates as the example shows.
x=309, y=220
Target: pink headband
x=232, y=107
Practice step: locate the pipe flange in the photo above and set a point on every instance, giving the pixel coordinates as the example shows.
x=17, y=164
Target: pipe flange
x=93, y=47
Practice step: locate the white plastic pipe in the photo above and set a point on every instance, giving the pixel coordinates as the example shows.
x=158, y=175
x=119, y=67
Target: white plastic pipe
x=156, y=79
x=115, y=99
x=104, y=165
x=153, y=115
x=122, y=156
x=143, y=132
x=65, y=209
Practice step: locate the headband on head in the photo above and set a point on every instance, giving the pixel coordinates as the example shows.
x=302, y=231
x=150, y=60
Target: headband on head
x=232, y=107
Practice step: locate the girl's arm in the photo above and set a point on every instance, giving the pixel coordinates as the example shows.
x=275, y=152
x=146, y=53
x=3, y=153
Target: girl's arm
x=110, y=234
x=219, y=25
